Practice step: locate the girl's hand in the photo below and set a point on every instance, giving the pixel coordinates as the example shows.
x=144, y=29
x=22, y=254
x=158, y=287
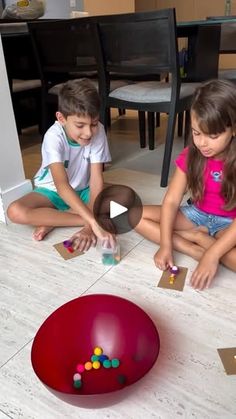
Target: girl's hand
x=204, y=273
x=163, y=259
x=84, y=239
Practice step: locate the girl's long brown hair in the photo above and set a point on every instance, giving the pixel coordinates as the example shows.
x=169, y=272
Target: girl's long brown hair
x=214, y=106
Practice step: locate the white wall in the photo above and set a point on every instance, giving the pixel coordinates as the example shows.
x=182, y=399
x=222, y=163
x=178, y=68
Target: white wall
x=61, y=8
x=12, y=178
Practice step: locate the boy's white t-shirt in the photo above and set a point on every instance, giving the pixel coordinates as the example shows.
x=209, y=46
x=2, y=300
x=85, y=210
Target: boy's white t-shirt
x=76, y=159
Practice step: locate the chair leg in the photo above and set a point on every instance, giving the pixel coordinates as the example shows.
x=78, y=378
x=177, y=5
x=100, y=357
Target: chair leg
x=168, y=148
x=48, y=116
x=151, y=130
x=187, y=127
x=158, y=119
x=142, y=128
x=108, y=117
x=103, y=115
x=180, y=123
x=44, y=114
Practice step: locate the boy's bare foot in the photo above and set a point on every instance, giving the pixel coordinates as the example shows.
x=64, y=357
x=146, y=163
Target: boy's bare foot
x=41, y=232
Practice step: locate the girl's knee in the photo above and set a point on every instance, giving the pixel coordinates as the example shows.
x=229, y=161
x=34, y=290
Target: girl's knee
x=135, y=217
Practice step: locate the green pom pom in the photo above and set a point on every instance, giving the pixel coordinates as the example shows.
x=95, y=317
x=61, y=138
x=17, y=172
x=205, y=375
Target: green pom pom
x=78, y=384
x=115, y=362
x=107, y=363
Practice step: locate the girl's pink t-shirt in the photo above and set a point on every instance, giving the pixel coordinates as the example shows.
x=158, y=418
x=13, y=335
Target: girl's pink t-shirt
x=212, y=201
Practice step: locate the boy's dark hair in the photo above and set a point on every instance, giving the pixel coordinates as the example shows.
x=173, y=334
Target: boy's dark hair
x=214, y=106
x=79, y=97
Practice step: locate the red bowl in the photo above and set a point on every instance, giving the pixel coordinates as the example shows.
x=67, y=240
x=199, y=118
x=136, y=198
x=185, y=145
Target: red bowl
x=70, y=334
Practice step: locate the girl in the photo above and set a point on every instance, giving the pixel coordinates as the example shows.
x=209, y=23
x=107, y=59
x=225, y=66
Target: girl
x=205, y=229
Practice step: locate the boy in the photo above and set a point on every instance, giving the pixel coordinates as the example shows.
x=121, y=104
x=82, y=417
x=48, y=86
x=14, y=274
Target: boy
x=70, y=177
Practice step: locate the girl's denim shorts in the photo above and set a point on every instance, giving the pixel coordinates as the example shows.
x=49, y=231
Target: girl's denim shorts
x=214, y=223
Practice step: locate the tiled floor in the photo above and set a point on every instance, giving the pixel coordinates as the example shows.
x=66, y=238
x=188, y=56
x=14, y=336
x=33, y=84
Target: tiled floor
x=188, y=379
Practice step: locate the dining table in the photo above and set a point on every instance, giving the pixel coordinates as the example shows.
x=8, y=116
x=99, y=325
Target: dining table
x=206, y=40
x=203, y=40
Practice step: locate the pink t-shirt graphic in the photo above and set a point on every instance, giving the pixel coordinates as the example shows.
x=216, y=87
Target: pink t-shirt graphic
x=212, y=201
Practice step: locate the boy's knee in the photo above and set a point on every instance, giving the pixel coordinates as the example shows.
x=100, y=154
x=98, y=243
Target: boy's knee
x=14, y=212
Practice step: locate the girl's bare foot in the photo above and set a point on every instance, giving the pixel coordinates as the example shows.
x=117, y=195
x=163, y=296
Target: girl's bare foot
x=195, y=251
x=193, y=234
x=41, y=232
x=188, y=247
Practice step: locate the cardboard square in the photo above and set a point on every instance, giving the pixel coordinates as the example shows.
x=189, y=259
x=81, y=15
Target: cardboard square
x=65, y=253
x=228, y=359
x=179, y=280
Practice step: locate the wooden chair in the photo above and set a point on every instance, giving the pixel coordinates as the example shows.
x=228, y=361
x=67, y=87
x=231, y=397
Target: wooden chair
x=142, y=43
x=64, y=49
x=23, y=77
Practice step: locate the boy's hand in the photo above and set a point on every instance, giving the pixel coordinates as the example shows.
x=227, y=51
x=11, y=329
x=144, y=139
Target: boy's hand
x=107, y=224
x=84, y=239
x=205, y=271
x=163, y=259
x=103, y=235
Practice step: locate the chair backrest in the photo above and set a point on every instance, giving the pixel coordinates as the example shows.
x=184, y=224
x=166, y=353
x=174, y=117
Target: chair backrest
x=19, y=56
x=137, y=43
x=62, y=47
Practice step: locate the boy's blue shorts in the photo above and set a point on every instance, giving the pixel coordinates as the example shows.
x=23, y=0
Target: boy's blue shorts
x=214, y=223
x=56, y=200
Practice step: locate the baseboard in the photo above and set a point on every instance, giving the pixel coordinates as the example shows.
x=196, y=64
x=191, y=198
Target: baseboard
x=10, y=195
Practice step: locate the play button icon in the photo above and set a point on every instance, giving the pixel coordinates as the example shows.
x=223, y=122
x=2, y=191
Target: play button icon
x=118, y=209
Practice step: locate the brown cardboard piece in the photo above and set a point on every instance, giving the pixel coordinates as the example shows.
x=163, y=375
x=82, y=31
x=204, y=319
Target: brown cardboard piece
x=179, y=279
x=65, y=253
x=228, y=358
